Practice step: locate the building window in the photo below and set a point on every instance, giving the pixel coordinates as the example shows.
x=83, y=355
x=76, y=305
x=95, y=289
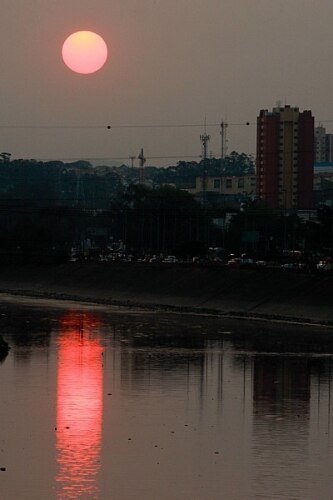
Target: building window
x=228, y=183
x=241, y=183
x=217, y=184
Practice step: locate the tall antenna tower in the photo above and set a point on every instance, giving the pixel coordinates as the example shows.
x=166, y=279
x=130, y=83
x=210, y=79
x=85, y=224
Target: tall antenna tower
x=204, y=138
x=142, y=166
x=224, y=141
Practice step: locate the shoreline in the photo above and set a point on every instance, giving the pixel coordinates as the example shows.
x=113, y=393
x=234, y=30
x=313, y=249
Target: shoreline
x=139, y=308
x=249, y=294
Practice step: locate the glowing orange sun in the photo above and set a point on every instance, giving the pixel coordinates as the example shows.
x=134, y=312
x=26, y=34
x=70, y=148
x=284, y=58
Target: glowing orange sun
x=84, y=52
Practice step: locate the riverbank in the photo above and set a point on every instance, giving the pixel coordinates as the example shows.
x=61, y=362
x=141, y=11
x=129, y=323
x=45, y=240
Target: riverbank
x=253, y=293
x=4, y=348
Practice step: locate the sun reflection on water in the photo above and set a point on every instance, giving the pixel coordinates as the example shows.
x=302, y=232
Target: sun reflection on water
x=79, y=407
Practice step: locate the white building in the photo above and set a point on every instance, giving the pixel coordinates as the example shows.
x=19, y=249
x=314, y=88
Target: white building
x=323, y=145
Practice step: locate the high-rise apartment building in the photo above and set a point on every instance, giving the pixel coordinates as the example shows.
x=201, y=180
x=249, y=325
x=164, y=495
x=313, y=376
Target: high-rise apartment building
x=285, y=157
x=320, y=144
x=329, y=148
x=323, y=145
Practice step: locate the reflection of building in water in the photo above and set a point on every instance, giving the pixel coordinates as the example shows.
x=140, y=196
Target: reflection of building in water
x=279, y=379
x=201, y=366
x=79, y=407
x=321, y=382
x=291, y=422
x=195, y=362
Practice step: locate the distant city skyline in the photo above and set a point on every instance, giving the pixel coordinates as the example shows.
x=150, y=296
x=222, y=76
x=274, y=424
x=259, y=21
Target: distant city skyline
x=175, y=63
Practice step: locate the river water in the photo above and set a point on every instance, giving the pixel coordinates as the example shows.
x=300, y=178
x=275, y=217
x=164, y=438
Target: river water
x=116, y=404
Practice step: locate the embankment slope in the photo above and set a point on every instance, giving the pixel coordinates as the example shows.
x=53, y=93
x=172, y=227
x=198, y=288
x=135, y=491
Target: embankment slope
x=250, y=292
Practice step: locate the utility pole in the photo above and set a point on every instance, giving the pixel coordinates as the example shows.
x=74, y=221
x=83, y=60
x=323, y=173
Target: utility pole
x=132, y=158
x=204, y=138
x=223, y=134
x=142, y=165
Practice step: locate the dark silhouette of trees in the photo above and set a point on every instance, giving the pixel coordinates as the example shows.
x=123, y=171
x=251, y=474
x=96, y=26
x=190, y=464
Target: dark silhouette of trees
x=46, y=208
x=163, y=221
x=184, y=173
x=238, y=164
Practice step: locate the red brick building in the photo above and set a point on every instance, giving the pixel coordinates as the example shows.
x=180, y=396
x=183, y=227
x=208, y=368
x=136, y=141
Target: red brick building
x=285, y=157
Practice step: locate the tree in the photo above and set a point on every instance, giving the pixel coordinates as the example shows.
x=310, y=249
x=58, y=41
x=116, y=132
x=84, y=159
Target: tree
x=163, y=220
x=5, y=157
x=238, y=164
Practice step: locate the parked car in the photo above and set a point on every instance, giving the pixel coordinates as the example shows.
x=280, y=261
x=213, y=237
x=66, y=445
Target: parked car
x=293, y=265
x=324, y=265
x=261, y=263
x=235, y=262
x=170, y=259
x=247, y=262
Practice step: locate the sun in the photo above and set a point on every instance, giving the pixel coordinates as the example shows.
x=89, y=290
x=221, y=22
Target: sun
x=84, y=52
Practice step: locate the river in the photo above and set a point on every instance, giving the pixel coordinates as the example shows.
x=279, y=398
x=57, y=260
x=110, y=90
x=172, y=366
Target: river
x=115, y=404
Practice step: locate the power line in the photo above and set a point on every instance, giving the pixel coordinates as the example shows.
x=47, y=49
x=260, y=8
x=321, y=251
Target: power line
x=136, y=126
x=121, y=126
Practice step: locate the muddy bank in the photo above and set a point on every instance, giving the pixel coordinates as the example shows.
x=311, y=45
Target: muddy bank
x=242, y=292
x=4, y=348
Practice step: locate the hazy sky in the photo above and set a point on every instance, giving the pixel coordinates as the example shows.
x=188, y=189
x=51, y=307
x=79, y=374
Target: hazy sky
x=171, y=62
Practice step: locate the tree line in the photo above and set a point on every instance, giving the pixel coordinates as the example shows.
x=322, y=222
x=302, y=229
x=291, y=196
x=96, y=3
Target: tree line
x=47, y=208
